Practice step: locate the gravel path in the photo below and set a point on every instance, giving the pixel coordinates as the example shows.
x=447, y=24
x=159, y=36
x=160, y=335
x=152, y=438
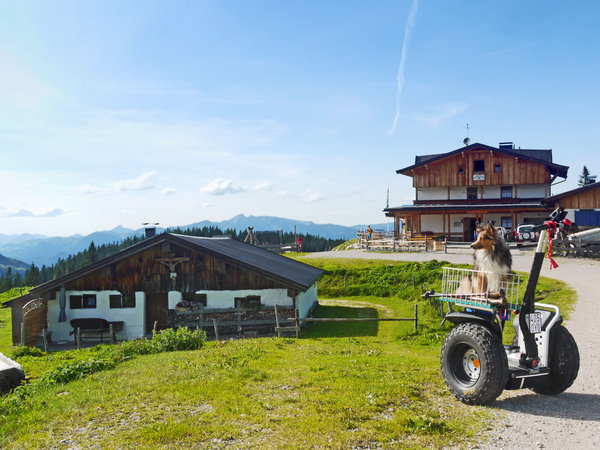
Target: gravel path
x=527, y=420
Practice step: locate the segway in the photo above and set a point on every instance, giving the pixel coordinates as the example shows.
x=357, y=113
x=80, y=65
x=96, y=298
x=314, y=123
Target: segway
x=476, y=366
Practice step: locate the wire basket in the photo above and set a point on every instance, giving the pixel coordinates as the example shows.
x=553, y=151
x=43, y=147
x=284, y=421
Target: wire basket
x=480, y=289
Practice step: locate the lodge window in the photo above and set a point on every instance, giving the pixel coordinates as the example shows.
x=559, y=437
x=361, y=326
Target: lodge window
x=506, y=222
x=247, y=302
x=472, y=193
x=461, y=169
x=118, y=301
x=479, y=165
x=506, y=192
x=85, y=301
x=497, y=168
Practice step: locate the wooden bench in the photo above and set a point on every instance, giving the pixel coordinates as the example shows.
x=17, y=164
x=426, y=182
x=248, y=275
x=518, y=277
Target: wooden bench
x=94, y=326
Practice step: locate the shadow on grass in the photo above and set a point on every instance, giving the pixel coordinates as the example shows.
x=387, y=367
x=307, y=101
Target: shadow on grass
x=342, y=329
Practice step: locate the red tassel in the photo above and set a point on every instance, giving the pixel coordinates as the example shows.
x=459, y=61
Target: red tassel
x=553, y=264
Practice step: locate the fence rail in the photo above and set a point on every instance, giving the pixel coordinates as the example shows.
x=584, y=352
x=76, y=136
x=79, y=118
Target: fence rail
x=576, y=248
x=386, y=241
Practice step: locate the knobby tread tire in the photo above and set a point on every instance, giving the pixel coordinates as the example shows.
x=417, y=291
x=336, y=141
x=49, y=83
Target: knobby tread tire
x=564, y=363
x=493, y=375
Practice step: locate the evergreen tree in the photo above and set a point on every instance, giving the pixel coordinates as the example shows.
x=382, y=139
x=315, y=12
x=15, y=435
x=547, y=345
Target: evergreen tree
x=585, y=178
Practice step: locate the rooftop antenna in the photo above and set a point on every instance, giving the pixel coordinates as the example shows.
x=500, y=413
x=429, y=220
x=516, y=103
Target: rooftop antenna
x=466, y=140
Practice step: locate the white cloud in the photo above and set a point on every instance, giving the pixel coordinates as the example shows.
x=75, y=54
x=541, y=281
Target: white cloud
x=22, y=212
x=168, y=191
x=208, y=204
x=309, y=196
x=283, y=193
x=265, y=186
x=220, y=186
x=143, y=182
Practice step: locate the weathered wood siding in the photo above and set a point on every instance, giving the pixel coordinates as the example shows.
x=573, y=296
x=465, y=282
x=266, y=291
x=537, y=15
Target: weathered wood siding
x=144, y=272
x=582, y=200
x=514, y=171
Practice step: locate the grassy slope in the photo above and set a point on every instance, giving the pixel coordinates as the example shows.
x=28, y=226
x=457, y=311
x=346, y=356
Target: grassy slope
x=368, y=385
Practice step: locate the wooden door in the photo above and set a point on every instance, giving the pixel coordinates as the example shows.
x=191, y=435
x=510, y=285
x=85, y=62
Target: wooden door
x=469, y=227
x=156, y=311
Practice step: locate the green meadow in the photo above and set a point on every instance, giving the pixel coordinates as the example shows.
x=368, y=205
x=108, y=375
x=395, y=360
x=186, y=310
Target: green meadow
x=341, y=385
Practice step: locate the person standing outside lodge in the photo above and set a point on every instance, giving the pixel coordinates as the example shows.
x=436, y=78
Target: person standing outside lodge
x=369, y=232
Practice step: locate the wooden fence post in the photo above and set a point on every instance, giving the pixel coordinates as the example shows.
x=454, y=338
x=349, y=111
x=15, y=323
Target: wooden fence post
x=297, y=322
x=277, y=320
x=111, y=331
x=446, y=245
x=78, y=337
x=416, y=317
x=216, y=327
x=45, y=339
x=22, y=333
x=426, y=250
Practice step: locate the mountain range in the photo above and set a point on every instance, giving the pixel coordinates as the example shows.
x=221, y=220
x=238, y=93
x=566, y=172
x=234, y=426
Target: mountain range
x=45, y=250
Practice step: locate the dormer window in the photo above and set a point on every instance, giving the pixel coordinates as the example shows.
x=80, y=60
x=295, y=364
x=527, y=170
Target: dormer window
x=497, y=168
x=479, y=165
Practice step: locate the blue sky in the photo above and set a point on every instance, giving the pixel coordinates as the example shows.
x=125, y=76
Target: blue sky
x=117, y=113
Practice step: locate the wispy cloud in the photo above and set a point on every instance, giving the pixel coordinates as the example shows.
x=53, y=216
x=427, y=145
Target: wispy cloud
x=436, y=115
x=168, y=191
x=310, y=196
x=22, y=212
x=142, y=182
x=220, y=186
x=410, y=23
x=265, y=186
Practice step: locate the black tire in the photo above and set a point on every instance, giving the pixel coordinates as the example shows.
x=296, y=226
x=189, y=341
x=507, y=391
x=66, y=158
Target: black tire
x=564, y=364
x=474, y=364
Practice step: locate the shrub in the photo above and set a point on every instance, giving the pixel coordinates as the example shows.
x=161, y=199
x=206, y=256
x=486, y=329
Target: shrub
x=181, y=339
x=26, y=351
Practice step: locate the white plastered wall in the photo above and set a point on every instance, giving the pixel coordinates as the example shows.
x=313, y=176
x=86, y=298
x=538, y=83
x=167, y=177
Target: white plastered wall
x=435, y=193
x=134, y=318
x=433, y=222
x=458, y=193
x=531, y=190
x=306, y=300
x=268, y=297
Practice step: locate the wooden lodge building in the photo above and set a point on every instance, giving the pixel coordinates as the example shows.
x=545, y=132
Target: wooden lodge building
x=475, y=184
x=582, y=204
x=170, y=280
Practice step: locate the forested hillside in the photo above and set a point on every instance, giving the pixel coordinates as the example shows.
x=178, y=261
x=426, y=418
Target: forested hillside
x=35, y=275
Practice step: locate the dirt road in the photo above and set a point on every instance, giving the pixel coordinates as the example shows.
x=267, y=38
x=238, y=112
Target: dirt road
x=524, y=419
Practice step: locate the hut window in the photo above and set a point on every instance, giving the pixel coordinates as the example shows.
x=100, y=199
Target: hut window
x=471, y=193
x=200, y=299
x=479, y=165
x=118, y=301
x=497, y=168
x=506, y=222
x=247, y=302
x=506, y=192
x=89, y=301
x=461, y=169
x=75, y=301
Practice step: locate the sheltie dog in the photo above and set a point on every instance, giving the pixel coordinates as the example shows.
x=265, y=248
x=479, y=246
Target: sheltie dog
x=492, y=263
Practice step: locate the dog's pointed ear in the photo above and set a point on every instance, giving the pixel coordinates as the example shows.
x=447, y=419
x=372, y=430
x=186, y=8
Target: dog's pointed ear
x=490, y=230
